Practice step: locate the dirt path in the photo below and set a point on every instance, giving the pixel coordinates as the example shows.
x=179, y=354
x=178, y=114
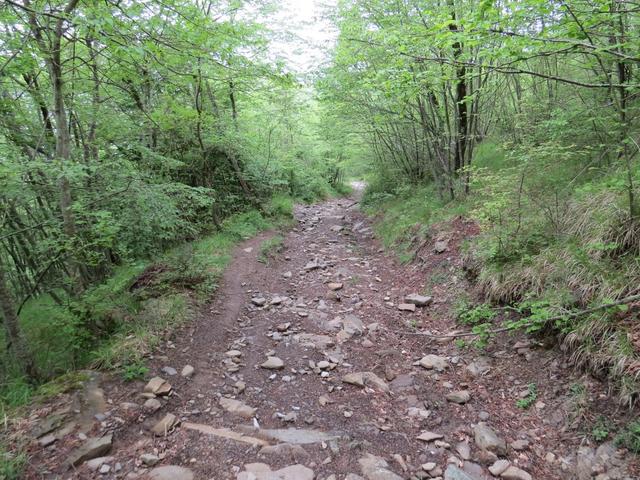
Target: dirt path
x=344, y=395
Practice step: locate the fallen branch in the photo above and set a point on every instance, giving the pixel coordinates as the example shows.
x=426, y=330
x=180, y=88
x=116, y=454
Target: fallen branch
x=622, y=301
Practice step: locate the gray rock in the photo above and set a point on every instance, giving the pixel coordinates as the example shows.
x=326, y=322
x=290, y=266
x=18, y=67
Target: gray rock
x=498, y=467
x=262, y=471
x=158, y=386
x=165, y=425
x=427, y=436
x=376, y=468
x=321, y=342
x=454, y=473
x=169, y=371
x=461, y=397
x=149, y=459
x=487, y=439
x=418, y=300
x=434, y=362
x=47, y=440
x=170, y=472
x=236, y=407
x=441, y=246
x=480, y=366
x=95, y=463
x=152, y=405
x=259, y=301
x=188, y=371
x=92, y=448
x=515, y=473
x=273, y=363
x=362, y=379
x=406, y=307
x=287, y=452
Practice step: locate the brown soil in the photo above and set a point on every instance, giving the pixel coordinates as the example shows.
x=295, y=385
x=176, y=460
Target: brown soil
x=375, y=422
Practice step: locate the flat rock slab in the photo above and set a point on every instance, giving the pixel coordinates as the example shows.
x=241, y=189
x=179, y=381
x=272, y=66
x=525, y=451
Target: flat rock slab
x=158, y=386
x=427, y=436
x=418, y=300
x=92, y=448
x=407, y=307
x=321, y=342
x=262, y=471
x=236, y=407
x=297, y=436
x=376, y=468
x=170, y=472
x=225, y=433
x=454, y=473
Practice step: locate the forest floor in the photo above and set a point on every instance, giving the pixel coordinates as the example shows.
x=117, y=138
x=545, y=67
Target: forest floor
x=301, y=367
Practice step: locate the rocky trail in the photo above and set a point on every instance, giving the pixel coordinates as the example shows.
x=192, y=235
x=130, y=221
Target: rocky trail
x=301, y=369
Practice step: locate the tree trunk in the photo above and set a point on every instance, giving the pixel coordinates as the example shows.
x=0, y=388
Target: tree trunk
x=16, y=341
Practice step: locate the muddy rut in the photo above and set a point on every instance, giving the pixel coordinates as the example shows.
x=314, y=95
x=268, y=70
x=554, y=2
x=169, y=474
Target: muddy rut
x=302, y=368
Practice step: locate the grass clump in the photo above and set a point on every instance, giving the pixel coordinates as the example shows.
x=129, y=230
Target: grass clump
x=270, y=247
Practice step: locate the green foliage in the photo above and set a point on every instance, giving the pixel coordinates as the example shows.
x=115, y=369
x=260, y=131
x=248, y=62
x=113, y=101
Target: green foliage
x=134, y=371
x=601, y=430
x=530, y=399
x=482, y=313
x=629, y=437
x=11, y=464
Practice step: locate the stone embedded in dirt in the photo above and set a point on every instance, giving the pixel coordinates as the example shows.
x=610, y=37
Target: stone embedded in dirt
x=335, y=286
x=487, y=439
x=353, y=476
x=158, y=386
x=165, y=425
x=520, y=445
x=259, y=301
x=236, y=407
x=277, y=300
x=418, y=300
x=152, y=405
x=273, y=363
x=262, y=471
x=464, y=450
x=95, y=464
x=320, y=342
x=362, y=379
x=406, y=307
x=441, y=246
x=498, y=467
x=434, y=362
x=427, y=436
x=233, y=353
x=104, y=469
x=454, y=473
x=461, y=397
x=92, y=448
x=47, y=440
x=323, y=365
x=170, y=472
x=480, y=366
x=169, y=371
x=515, y=473
x=188, y=371
x=225, y=433
x=312, y=265
x=402, y=382
x=427, y=467
x=352, y=325
x=297, y=436
x=376, y=468
x=287, y=452
x=149, y=459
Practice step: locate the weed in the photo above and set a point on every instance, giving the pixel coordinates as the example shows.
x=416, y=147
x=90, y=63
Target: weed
x=134, y=371
x=482, y=313
x=11, y=464
x=270, y=247
x=460, y=342
x=629, y=437
x=530, y=399
x=600, y=431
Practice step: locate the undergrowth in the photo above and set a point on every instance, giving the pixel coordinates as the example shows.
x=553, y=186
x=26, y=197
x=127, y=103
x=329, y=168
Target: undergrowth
x=114, y=325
